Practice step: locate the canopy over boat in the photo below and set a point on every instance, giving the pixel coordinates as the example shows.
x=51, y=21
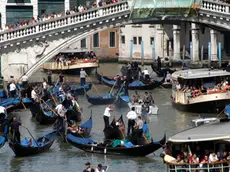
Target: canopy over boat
x=199, y=73
x=209, y=132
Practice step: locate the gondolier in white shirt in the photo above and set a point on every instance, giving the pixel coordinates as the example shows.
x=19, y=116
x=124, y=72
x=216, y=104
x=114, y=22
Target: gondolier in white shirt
x=13, y=89
x=61, y=111
x=131, y=115
x=3, y=114
x=24, y=80
x=106, y=115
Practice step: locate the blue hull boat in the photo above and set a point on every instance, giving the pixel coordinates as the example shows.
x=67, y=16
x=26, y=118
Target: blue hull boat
x=101, y=100
x=32, y=147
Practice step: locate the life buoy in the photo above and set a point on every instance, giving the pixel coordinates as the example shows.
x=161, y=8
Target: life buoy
x=195, y=92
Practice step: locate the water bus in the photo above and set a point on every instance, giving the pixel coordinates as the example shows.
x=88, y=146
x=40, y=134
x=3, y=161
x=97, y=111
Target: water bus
x=71, y=61
x=201, y=90
x=202, y=148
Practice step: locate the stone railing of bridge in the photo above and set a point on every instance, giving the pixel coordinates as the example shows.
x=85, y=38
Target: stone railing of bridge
x=57, y=24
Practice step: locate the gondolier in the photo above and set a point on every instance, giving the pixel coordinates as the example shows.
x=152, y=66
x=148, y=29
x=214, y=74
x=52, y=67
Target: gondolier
x=132, y=115
x=106, y=115
x=13, y=89
x=118, y=82
x=61, y=78
x=15, y=129
x=35, y=101
x=82, y=76
x=3, y=114
x=61, y=111
x=49, y=77
x=24, y=80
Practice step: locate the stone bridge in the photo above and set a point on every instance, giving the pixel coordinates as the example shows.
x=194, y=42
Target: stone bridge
x=25, y=49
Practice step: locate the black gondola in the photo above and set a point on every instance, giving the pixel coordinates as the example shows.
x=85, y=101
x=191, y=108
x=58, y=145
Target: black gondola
x=115, y=132
x=31, y=147
x=101, y=100
x=78, y=89
x=135, y=85
x=46, y=115
x=122, y=101
x=88, y=145
x=162, y=72
x=167, y=85
x=86, y=126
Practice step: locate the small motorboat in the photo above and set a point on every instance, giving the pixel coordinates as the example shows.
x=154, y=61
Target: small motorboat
x=114, y=131
x=85, y=129
x=202, y=121
x=30, y=147
x=135, y=85
x=101, y=100
x=153, y=109
x=89, y=145
x=46, y=115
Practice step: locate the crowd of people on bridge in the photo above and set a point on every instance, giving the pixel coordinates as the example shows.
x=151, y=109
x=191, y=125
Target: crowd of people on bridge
x=46, y=17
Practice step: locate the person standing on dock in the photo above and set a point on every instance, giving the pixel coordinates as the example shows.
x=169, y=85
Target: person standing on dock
x=131, y=115
x=24, y=80
x=15, y=130
x=13, y=89
x=106, y=115
x=82, y=76
x=49, y=77
x=61, y=78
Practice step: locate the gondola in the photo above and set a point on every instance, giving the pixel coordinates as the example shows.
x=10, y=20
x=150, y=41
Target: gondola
x=25, y=94
x=135, y=85
x=31, y=147
x=10, y=103
x=3, y=138
x=86, y=126
x=122, y=101
x=115, y=132
x=78, y=89
x=88, y=145
x=101, y=100
x=166, y=85
x=162, y=72
x=46, y=115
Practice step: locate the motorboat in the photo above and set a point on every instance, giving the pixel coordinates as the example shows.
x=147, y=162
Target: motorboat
x=200, y=90
x=153, y=109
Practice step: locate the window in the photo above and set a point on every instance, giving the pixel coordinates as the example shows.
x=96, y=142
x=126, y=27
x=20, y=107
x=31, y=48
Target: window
x=96, y=40
x=134, y=40
x=112, y=39
x=123, y=39
x=151, y=40
x=139, y=39
x=83, y=43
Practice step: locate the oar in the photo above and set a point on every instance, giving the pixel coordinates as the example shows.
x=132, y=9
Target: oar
x=121, y=88
x=93, y=85
x=23, y=104
x=112, y=87
x=221, y=112
x=32, y=136
x=145, y=138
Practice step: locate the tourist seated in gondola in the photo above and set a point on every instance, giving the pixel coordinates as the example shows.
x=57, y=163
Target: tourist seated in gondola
x=134, y=99
x=74, y=128
x=168, y=78
x=61, y=94
x=99, y=168
x=147, y=98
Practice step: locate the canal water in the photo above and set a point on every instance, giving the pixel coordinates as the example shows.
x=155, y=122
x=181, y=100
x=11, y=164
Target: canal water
x=64, y=157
